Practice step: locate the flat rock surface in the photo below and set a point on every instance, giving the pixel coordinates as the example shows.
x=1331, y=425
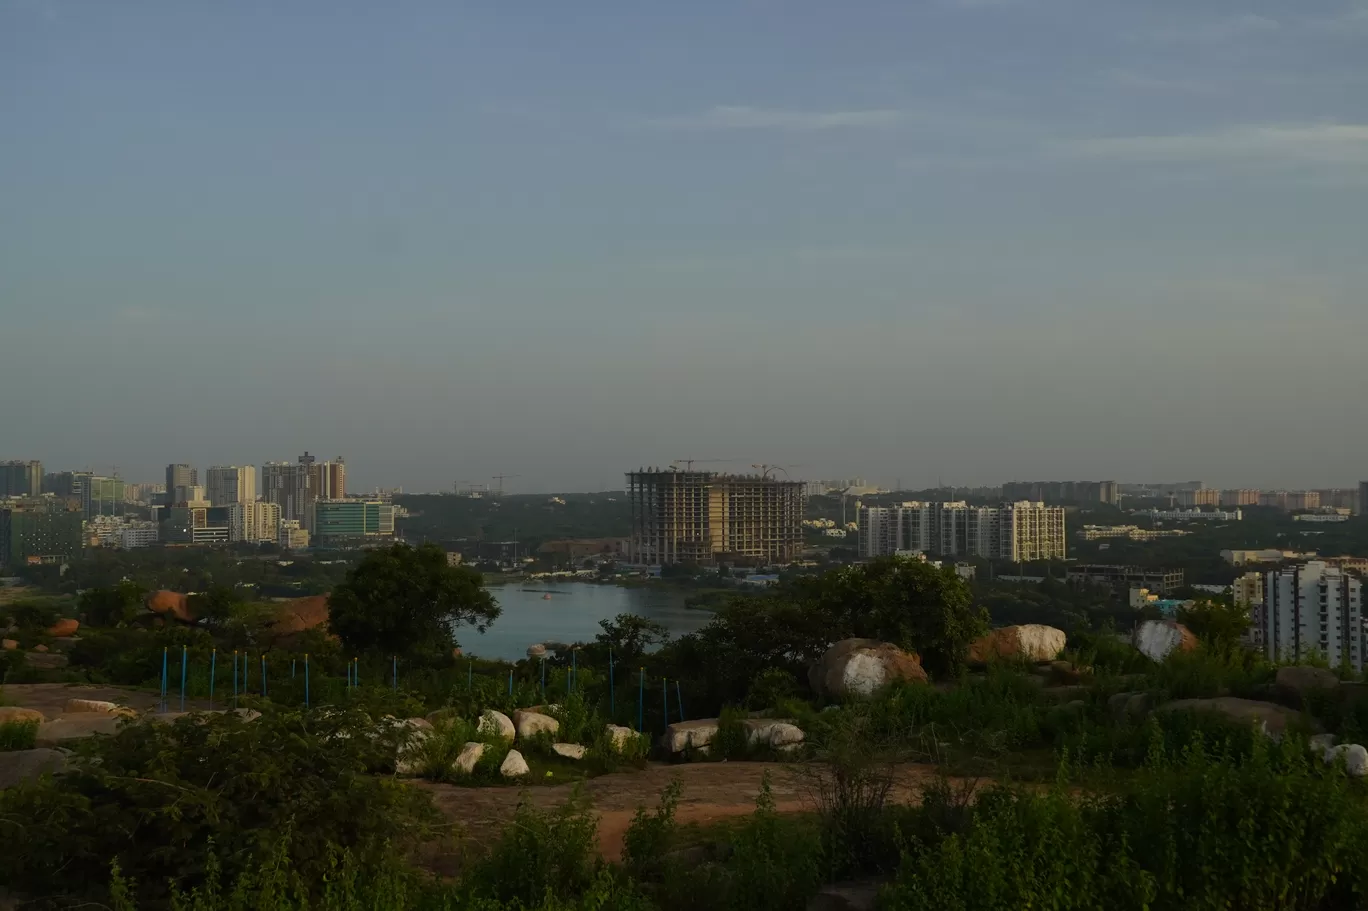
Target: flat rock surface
x=17, y=766
x=51, y=698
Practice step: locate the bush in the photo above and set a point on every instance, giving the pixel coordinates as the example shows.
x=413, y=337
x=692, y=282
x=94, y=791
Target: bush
x=542, y=853
x=730, y=741
x=153, y=796
x=18, y=735
x=776, y=863
x=651, y=835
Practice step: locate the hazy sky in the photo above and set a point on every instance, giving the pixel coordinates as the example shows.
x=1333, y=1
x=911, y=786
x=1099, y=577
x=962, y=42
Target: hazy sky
x=963, y=239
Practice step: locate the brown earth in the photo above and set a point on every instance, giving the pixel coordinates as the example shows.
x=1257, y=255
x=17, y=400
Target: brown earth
x=51, y=698
x=712, y=792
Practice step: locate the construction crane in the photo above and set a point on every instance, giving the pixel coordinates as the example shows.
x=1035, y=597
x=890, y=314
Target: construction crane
x=765, y=469
x=689, y=463
x=501, y=478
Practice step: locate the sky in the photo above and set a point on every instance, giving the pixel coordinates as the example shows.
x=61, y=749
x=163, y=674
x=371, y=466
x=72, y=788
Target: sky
x=965, y=241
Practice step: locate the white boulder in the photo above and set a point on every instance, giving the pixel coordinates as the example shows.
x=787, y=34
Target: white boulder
x=1033, y=642
x=772, y=733
x=530, y=724
x=620, y=736
x=569, y=750
x=98, y=705
x=1355, y=758
x=685, y=735
x=1157, y=639
x=514, y=766
x=471, y=754
x=859, y=667
x=497, y=724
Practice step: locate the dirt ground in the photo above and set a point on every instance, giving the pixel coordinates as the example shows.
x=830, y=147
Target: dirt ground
x=712, y=792
x=50, y=698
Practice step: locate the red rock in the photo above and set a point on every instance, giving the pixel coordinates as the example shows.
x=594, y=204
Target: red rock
x=861, y=666
x=301, y=614
x=170, y=604
x=63, y=628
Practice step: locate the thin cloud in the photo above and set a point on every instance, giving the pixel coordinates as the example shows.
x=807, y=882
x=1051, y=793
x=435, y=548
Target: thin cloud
x=727, y=117
x=1216, y=30
x=1343, y=144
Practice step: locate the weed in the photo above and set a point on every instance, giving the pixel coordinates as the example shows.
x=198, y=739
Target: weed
x=18, y=735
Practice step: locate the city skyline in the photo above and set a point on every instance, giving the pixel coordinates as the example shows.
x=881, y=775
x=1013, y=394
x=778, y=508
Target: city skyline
x=969, y=240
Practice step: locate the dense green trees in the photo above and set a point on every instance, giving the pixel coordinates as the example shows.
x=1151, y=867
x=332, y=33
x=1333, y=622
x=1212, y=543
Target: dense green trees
x=407, y=600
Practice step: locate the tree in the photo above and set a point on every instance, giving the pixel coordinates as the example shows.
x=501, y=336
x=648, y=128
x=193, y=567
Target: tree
x=629, y=636
x=1218, y=624
x=407, y=600
x=115, y=605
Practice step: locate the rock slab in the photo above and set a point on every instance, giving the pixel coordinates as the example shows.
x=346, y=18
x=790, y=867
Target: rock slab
x=514, y=766
x=64, y=628
x=860, y=667
x=1032, y=642
x=1271, y=718
x=71, y=727
x=686, y=735
x=496, y=724
x=531, y=724
x=10, y=714
x=18, y=766
x=772, y=733
x=569, y=750
x=620, y=736
x=97, y=705
x=1157, y=639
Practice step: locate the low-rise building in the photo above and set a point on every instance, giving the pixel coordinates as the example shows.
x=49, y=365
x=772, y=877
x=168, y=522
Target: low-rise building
x=1130, y=532
x=44, y=530
x=1191, y=515
x=138, y=534
x=1124, y=578
x=1263, y=555
x=293, y=535
x=352, y=521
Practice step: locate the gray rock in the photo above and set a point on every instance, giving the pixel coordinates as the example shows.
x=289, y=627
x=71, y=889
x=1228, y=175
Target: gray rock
x=497, y=724
x=1126, y=706
x=18, y=766
x=684, y=735
x=569, y=750
x=471, y=754
x=46, y=661
x=1320, y=743
x=772, y=732
x=531, y=724
x=1294, y=684
x=1354, y=755
x=852, y=895
x=1272, y=719
x=620, y=736
x=72, y=727
x=514, y=766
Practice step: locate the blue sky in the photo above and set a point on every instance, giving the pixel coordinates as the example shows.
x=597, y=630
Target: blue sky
x=961, y=239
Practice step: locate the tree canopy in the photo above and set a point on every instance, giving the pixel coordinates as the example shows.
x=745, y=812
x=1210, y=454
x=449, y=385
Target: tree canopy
x=407, y=600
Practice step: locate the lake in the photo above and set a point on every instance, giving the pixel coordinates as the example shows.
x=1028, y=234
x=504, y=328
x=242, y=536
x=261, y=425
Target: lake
x=572, y=614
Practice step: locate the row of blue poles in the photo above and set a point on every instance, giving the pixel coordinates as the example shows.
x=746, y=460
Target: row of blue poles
x=352, y=674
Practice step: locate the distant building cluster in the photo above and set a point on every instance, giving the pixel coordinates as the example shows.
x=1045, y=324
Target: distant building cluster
x=1330, y=499
x=1129, y=532
x=1020, y=532
x=1072, y=492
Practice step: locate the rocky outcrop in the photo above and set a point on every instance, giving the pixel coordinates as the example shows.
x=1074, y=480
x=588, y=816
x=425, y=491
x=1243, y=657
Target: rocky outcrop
x=851, y=895
x=1031, y=642
x=1157, y=639
x=769, y=732
x=19, y=766
x=514, y=766
x=859, y=667
x=70, y=727
x=300, y=614
x=1272, y=719
x=471, y=754
x=1354, y=756
x=1293, y=685
x=690, y=735
x=530, y=724
x=496, y=724
x=96, y=705
x=45, y=661
x=569, y=750
x=1128, y=706
x=620, y=736
x=170, y=604
x=10, y=714
x=63, y=629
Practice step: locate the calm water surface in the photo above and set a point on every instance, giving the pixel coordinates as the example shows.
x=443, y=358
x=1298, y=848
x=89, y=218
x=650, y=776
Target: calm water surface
x=573, y=613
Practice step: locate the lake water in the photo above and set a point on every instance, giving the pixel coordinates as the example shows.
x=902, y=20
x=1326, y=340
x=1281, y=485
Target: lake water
x=572, y=614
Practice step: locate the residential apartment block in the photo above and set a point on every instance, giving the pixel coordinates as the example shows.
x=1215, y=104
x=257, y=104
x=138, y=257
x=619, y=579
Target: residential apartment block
x=1020, y=532
x=21, y=479
x=254, y=522
x=1202, y=496
x=702, y=516
x=1313, y=609
x=225, y=485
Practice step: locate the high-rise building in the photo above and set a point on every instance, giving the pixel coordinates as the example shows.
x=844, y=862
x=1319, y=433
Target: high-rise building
x=254, y=522
x=1243, y=496
x=40, y=532
x=21, y=479
x=1202, y=496
x=342, y=521
x=329, y=479
x=293, y=487
x=1019, y=532
x=1248, y=590
x=1313, y=609
x=225, y=485
x=703, y=516
x=178, y=477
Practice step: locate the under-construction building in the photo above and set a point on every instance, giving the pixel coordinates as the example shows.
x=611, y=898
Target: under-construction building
x=702, y=517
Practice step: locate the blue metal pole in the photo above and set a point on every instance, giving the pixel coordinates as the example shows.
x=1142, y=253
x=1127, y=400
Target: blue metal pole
x=543, y=677
x=679, y=700
x=306, y=680
x=641, y=700
x=470, y=674
x=574, y=668
x=510, y=681
x=293, y=661
x=185, y=659
x=213, y=670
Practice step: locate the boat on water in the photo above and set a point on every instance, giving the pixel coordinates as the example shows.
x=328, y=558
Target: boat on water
x=546, y=597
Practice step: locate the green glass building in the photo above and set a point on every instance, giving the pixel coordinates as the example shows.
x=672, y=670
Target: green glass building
x=342, y=521
x=39, y=533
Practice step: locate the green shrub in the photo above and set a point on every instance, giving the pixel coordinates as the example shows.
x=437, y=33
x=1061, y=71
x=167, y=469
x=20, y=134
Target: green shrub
x=651, y=835
x=574, y=718
x=542, y=852
x=730, y=741
x=18, y=735
x=776, y=863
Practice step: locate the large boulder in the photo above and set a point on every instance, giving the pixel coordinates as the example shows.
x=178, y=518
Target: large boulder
x=686, y=735
x=300, y=614
x=63, y=628
x=9, y=645
x=1271, y=718
x=1128, y=706
x=170, y=604
x=569, y=750
x=19, y=766
x=12, y=714
x=772, y=732
x=471, y=754
x=97, y=705
x=496, y=724
x=620, y=736
x=1293, y=684
x=1354, y=755
x=71, y=727
x=530, y=724
x=514, y=766
x=1029, y=642
x=1157, y=639
x=859, y=667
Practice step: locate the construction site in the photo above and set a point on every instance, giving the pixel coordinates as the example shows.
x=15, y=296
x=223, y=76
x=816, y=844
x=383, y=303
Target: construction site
x=703, y=517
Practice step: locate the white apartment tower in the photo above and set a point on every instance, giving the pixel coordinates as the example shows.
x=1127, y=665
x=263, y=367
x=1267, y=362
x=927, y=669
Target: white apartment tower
x=229, y=484
x=1018, y=532
x=1310, y=609
x=253, y=522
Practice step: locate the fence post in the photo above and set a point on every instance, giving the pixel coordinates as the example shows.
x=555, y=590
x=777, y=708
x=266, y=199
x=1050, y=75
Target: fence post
x=213, y=670
x=641, y=701
x=163, y=680
x=185, y=659
x=306, y=680
x=665, y=701
x=235, y=678
x=395, y=665
x=612, y=697
x=679, y=700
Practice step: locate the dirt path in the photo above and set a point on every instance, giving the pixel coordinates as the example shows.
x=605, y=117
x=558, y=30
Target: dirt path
x=712, y=791
x=51, y=698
